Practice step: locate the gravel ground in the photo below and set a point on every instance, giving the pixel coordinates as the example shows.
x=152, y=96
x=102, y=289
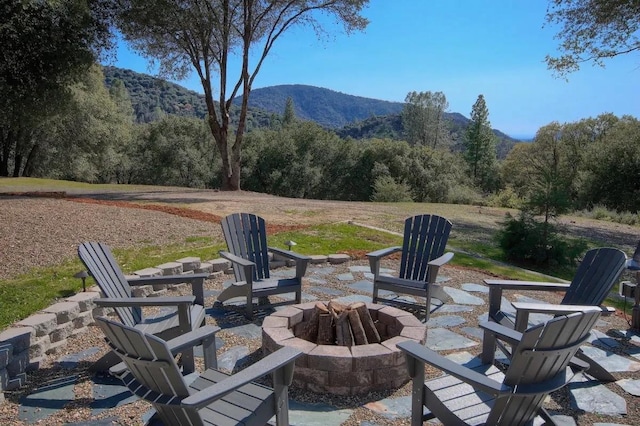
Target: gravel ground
x=44, y=231
x=40, y=232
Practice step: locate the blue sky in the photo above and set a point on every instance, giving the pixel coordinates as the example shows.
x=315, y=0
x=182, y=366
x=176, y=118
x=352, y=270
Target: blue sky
x=462, y=48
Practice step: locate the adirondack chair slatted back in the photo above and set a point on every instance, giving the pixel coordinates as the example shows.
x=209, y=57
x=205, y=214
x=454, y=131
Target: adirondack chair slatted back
x=150, y=362
x=543, y=352
x=595, y=277
x=246, y=236
x=425, y=239
x=104, y=269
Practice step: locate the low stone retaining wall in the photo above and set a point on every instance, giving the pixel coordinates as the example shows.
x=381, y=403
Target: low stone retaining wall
x=25, y=345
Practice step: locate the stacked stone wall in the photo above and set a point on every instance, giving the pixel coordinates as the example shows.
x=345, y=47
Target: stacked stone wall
x=26, y=344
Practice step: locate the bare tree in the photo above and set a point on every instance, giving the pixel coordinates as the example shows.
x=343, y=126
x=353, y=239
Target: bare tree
x=206, y=34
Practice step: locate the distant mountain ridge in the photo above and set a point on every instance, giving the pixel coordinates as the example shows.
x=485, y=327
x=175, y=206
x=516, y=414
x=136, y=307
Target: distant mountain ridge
x=326, y=107
x=353, y=116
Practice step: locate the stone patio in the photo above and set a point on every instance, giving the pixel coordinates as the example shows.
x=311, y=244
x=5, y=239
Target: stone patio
x=585, y=393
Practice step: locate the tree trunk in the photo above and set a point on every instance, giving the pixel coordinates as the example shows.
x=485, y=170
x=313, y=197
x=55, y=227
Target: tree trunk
x=6, y=152
x=17, y=164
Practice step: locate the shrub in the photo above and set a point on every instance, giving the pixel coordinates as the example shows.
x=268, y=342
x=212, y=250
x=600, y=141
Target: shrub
x=386, y=189
x=463, y=194
x=505, y=198
x=525, y=240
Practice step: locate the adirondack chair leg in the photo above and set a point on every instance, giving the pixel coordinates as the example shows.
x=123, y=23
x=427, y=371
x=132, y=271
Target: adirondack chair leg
x=375, y=293
x=427, y=312
x=249, y=307
x=488, y=348
x=595, y=370
x=299, y=296
x=238, y=289
x=280, y=390
x=188, y=361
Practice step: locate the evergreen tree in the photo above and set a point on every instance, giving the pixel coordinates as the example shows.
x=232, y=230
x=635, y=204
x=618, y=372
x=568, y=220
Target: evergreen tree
x=480, y=147
x=289, y=115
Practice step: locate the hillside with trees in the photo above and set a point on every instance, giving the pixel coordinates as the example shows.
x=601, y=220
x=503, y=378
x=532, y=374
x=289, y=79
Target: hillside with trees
x=326, y=107
x=350, y=116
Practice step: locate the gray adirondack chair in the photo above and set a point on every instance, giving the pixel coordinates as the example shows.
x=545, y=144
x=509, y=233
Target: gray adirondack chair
x=597, y=273
x=245, y=235
x=425, y=239
x=188, y=315
x=210, y=398
x=478, y=394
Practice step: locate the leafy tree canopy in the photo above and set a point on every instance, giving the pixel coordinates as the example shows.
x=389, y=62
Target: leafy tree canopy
x=203, y=35
x=592, y=31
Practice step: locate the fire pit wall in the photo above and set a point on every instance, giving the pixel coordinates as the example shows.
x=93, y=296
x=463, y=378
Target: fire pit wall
x=343, y=370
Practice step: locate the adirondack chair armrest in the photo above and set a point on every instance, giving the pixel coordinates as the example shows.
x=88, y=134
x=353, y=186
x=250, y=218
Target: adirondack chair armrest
x=282, y=358
x=302, y=261
x=434, y=266
x=241, y=262
x=526, y=285
x=415, y=351
x=205, y=336
x=501, y=332
x=523, y=310
x=376, y=256
x=113, y=302
x=289, y=254
x=195, y=280
x=169, y=279
x=440, y=261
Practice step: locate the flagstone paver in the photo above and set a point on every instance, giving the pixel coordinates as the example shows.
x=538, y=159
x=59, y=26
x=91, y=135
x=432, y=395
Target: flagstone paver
x=109, y=392
x=462, y=297
x=392, y=408
x=478, y=288
x=232, y=358
x=47, y=400
x=445, y=321
x=304, y=414
x=609, y=360
x=592, y=396
x=440, y=339
x=630, y=386
x=345, y=277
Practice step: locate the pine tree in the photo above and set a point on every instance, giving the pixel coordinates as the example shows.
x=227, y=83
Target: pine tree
x=289, y=115
x=480, y=147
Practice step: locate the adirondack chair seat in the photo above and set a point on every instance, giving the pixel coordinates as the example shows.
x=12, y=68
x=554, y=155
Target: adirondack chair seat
x=210, y=398
x=188, y=312
x=597, y=273
x=425, y=238
x=245, y=235
x=480, y=394
x=168, y=321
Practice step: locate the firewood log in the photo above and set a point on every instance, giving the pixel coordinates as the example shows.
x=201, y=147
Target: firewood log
x=359, y=336
x=369, y=326
x=343, y=325
x=326, y=331
x=310, y=330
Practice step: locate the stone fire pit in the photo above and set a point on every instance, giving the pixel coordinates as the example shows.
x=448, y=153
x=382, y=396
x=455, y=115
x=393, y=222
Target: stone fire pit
x=343, y=370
